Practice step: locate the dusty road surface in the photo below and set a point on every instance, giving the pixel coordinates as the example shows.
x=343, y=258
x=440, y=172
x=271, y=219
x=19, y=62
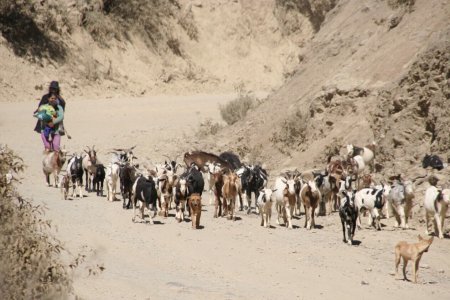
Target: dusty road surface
x=225, y=259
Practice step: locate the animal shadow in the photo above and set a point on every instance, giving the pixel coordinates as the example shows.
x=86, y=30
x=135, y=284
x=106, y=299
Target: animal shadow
x=318, y=227
x=356, y=243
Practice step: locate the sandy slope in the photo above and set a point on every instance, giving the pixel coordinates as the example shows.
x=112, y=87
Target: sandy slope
x=224, y=260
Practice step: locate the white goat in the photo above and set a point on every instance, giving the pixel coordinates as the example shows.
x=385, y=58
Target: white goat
x=436, y=205
x=400, y=199
x=112, y=178
x=367, y=152
x=285, y=199
x=264, y=203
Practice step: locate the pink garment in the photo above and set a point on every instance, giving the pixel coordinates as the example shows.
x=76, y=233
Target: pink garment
x=54, y=144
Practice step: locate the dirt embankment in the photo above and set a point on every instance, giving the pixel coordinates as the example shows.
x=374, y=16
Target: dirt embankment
x=97, y=48
x=376, y=71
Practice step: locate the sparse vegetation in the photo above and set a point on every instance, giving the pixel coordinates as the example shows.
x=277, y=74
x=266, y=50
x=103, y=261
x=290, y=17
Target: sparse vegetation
x=291, y=133
x=208, y=127
x=237, y=109
x=251, y=154
x=29, y=265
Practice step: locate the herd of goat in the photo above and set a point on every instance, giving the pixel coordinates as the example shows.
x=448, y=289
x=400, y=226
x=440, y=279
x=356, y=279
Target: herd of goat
x=341, y=187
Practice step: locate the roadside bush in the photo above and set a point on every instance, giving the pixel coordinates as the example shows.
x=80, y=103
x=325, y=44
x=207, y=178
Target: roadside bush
x=29, y=265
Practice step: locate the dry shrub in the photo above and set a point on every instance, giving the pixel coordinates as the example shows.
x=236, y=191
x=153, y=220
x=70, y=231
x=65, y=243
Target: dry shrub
x=292, y=132
x=237, y=109
x=333, y=148
x=407, y=4
x=187, y=22
x=34, y=30
x=29, y=264
x=251, y=154
x=208, y=127
x=99, y=26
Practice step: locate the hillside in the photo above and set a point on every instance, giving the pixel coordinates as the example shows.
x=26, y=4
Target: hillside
x=375, y=71
x=104, y=48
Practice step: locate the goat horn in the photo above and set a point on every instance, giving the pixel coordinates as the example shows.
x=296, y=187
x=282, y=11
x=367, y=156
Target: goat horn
x=167, y=157
x=93, y=147
x=133, y=147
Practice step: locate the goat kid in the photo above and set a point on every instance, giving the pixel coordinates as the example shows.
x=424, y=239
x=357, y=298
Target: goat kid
x=264, y=203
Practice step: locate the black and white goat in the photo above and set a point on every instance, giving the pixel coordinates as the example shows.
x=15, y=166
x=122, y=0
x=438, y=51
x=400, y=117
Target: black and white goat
x=371, y=200
x=75, y=173
x=144, y=191
x=348, y=213
x=253, y=179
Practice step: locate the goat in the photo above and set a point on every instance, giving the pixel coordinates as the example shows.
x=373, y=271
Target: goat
x=89, y=163
x=127, y=176
x=253, y=179
x=371, y=200
x=329, y=189
x=164, y=195
x=264, y=202
x=124, y=155
x=75, y=172
x=285, y=199
x=181, y=196
x=400, y=199
x=230, y=190
x=64, y=184
x=194, y=179
x=367, y=152
x=52, y=163
x=212, y=169
x=310, y=196
x=436, y=204
x=112, y=177
x=354, y=166
x=348, y=213
x=217, y=179
x=231, y=159
x=144, y=190
x=99, y=178
x=200, y=158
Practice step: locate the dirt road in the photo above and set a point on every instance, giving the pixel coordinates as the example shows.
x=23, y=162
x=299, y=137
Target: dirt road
x=225, y=259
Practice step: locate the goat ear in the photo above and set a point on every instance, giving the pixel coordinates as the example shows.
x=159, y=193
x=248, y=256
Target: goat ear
x=274, y=190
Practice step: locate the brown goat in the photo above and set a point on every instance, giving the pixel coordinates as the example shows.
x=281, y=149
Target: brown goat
x=52, y=163
x=310, y=196
x=230, y=191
